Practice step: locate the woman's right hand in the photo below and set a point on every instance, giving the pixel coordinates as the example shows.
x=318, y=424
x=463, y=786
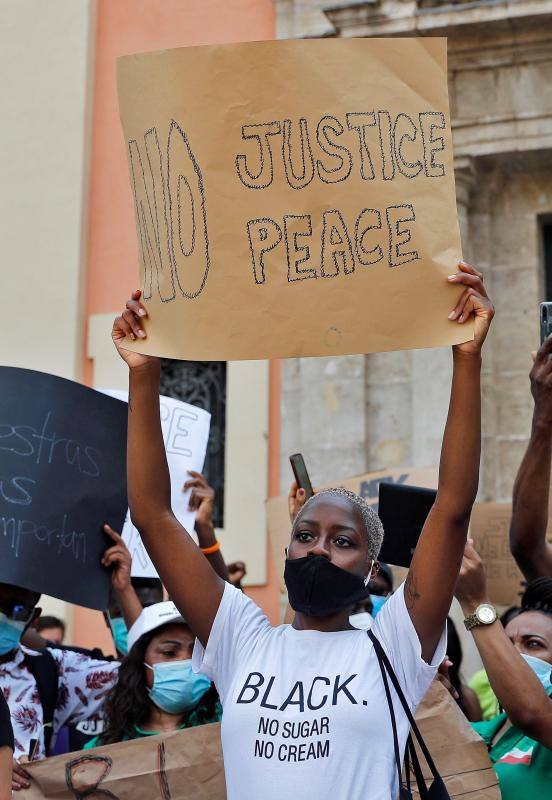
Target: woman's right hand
x=129, y=324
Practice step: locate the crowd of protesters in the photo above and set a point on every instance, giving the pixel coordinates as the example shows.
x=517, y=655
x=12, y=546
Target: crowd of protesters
x=204, y=654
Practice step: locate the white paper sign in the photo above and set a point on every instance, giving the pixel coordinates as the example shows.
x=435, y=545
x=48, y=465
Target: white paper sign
x=185, y=432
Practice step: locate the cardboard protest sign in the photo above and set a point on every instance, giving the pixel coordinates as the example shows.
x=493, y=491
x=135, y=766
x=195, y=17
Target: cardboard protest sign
x=460, y=754
x=489, y=527
x=279, y=525
x=293, y=198
x=62, y=477
x=186, y=433
x=184, y=765
x=188, y=764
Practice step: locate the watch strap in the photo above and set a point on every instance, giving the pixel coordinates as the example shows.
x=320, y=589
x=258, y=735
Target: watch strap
x=471, y=621
x=474, y=620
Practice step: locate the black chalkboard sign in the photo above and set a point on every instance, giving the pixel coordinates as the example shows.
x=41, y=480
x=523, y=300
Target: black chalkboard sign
x=62, y=476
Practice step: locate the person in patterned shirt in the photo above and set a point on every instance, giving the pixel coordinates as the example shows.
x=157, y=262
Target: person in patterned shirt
x=83, y=682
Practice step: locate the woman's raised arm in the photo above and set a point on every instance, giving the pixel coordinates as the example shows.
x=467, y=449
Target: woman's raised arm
x=191, y=582
x=430, y=583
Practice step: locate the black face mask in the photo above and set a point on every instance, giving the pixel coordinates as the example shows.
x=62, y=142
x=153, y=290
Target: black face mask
x=318, y=588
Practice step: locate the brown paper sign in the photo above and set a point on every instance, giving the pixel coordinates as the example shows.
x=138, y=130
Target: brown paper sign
x=279, y=525
x=489, y=528
x=459, y=752
x=293, y=198
x=188, y=765
x=185, y=765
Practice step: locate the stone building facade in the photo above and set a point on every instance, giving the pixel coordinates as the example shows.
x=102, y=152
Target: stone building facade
x=354, y=414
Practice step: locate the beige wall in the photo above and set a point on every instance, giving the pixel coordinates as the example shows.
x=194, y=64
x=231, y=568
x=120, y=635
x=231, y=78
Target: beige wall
x=44, y=64
x=44, y=53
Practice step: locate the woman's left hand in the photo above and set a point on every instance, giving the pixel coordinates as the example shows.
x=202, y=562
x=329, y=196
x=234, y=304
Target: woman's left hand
x=474, y=301
x=443, y=677
x=471, y=587
x=118, y=556
x=202, y=499
x=296, y=500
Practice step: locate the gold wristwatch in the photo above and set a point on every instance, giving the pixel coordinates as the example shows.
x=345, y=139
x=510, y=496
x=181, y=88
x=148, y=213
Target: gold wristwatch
x=484, y=614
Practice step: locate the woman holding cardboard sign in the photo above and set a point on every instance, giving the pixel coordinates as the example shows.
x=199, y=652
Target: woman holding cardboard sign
x=309, y=695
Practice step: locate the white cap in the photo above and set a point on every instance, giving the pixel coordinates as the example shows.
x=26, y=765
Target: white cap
x=153, y=617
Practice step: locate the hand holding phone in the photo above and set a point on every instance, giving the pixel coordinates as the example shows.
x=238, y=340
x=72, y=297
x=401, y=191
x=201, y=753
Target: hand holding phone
x=545, y=321
x=301, y=475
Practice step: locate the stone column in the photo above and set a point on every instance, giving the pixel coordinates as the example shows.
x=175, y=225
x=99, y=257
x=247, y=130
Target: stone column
x=323, y=416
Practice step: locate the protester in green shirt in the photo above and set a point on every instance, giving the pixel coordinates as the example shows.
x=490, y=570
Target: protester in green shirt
x=519, y=739
x=157, y=690
x=523, y=766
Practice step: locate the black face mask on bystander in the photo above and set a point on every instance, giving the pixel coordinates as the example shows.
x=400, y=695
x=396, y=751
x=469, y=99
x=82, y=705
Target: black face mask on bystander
x=318, y=588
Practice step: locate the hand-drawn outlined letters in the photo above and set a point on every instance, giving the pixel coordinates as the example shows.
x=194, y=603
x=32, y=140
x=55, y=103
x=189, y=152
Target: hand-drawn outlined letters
x=171, y=215
x=289, y=195
x=406, y=148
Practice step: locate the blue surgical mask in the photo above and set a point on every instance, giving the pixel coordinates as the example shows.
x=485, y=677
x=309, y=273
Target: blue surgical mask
x=542, y=670
x=11, y=632
x=176, y=687
x=378, y=601
x=120, y=634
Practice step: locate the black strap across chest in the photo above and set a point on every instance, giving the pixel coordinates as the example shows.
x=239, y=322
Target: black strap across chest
x=437, y=790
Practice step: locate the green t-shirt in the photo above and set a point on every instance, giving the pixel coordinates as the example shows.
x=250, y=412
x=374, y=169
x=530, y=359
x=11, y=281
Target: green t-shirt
x=523, y=766
x=487, y=698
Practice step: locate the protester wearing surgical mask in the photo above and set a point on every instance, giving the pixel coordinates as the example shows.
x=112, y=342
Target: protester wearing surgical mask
x=20, y=668
x=518, y=661
x=158, y=691
x=379, y=588
x=135, y=594
x=305, y=706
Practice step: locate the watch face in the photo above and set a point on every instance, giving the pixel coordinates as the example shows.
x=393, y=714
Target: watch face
x=486, y=614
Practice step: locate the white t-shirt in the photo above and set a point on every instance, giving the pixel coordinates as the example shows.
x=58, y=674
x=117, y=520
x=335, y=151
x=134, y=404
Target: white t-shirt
x=304, y=712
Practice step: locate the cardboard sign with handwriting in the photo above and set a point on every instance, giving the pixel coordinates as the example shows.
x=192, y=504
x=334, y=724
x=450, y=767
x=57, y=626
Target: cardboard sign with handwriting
x=62, y=477
x=188, y=764
x=279, y=525
x=489, y=527
x=293, y=198
x=184, y=765
x=460, y=754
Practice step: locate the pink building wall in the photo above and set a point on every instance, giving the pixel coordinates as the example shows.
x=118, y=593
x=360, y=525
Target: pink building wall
x=130, y=26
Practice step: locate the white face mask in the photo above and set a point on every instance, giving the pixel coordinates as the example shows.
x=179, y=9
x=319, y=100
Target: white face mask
x=362, y=621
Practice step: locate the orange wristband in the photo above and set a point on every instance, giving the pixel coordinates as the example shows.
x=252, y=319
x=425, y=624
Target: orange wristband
x=208, y=551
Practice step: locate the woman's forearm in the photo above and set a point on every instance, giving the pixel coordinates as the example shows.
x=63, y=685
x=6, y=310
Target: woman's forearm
x=191, y=582
x=530, y=505
x=6, y=760
x=149, y=483
x=206, y=538
x=440, y=547
x=461, y=449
